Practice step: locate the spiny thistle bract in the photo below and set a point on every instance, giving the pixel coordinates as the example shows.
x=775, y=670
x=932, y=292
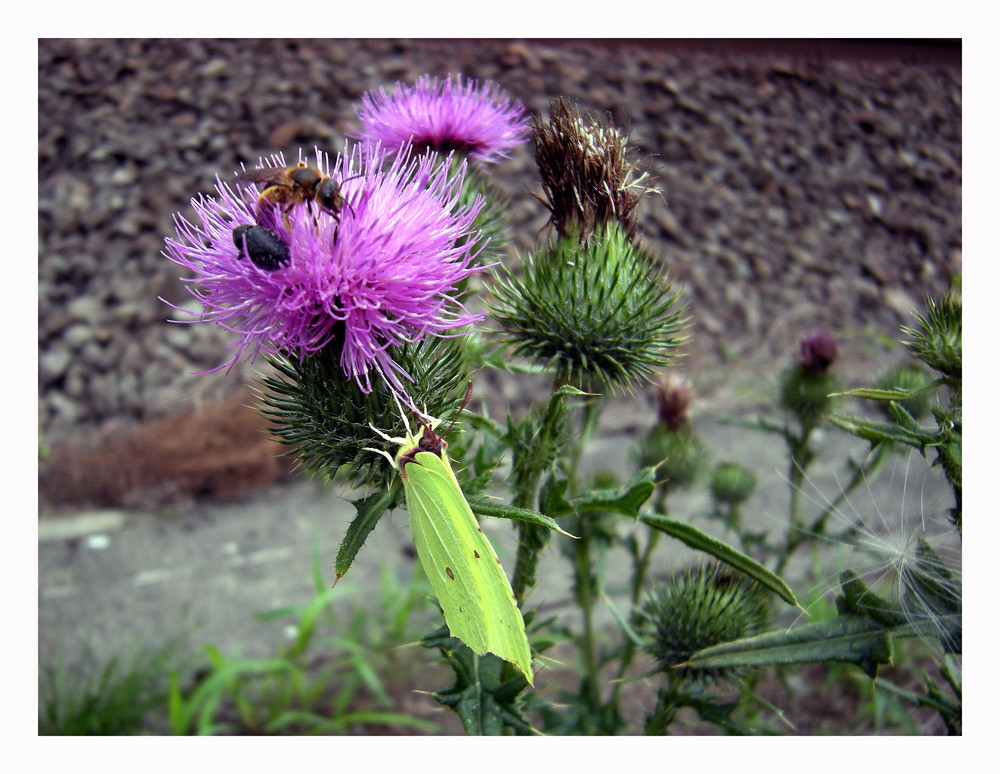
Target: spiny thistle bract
x=937, y=339
x=806, y=386
x=325, y=415
x=906, y=377
x=599, y=311
x=679, y=455
x=698, y=609
x=806, y=395
x=588, y=175
x=732, y=483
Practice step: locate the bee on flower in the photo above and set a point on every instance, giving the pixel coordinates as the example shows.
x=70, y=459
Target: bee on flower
x=383, y=271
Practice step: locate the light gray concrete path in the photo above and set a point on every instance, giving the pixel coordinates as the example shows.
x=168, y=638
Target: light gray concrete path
x=111, y=580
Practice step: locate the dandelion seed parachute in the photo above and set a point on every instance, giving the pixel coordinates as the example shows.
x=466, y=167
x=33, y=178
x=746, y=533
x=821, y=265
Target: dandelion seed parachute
x=903, y=554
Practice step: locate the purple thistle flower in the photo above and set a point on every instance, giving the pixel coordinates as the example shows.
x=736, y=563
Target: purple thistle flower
x=817, y=351
x=673, y=399
x=385, y=271
x=482, y=123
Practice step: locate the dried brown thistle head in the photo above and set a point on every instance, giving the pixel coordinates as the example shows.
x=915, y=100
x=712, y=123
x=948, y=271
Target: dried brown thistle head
x=589, y=176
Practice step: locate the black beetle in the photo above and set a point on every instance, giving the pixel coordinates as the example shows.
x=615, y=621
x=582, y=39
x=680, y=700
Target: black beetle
x=262, y=246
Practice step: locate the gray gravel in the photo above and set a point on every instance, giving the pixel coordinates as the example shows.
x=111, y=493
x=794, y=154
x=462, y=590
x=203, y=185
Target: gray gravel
x=797, y=190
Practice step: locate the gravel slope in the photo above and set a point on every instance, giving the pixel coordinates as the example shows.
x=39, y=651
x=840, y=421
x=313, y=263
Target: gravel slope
x=801, y=187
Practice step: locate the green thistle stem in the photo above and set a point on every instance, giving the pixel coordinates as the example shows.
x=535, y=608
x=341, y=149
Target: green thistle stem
x=640, y=569
x=528, y=546
x=584, y=586
x=733, y=517
x=800, y=455
x=591, y=416
x=531, y=537
x=665, y=714
x=949, y=454
x=590, y=689
x=581, y=567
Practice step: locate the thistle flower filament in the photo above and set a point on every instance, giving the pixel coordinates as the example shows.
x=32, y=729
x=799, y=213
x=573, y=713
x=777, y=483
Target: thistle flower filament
x=472, y=119
x=383, y=272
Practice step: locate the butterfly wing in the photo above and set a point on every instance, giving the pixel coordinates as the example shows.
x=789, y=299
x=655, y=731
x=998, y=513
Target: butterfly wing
x=464, y=571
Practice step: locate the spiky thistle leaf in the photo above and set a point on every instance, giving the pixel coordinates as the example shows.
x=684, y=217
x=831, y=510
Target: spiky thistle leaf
x=937, y=339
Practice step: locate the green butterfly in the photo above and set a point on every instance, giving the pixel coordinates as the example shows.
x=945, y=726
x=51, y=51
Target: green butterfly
x=464, y=571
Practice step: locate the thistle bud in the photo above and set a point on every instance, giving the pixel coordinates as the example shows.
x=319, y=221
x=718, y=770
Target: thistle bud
x=817, y=351
x=600, y=311
x=673, y=398
x=732, y=484
x=327, y=419
x=806, y=387
x=678, y=455
x=671, y=445
x=938, y=337
x=696, y=610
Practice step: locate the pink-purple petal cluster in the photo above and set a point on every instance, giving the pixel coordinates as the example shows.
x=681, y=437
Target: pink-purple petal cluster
x=817, y=351
x=385, y=272
x=480, y=121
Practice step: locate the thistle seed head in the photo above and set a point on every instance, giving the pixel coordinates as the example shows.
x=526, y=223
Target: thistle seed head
x=588, y=174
